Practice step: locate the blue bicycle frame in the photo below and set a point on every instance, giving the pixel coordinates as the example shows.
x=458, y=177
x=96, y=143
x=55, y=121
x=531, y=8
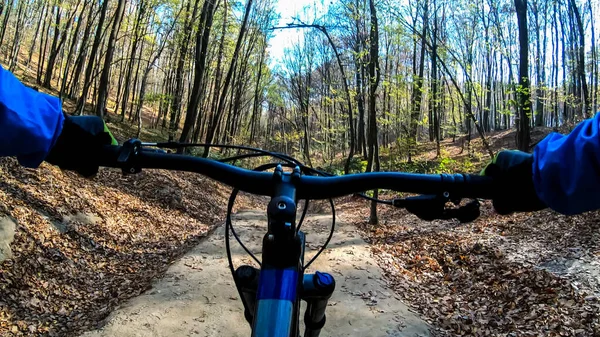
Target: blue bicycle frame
x=272, y=295
x=277, y=302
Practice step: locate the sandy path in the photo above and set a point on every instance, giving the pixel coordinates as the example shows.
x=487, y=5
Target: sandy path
x=197, y=296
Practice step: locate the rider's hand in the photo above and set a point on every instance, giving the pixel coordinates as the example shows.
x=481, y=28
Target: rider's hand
x=78, y=144
x=513, y=175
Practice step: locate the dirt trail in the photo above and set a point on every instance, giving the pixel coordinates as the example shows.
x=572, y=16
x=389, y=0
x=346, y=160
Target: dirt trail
x=197, y=296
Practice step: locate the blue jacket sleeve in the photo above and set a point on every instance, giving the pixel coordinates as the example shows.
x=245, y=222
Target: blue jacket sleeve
x=30, y=121
x=566, y=169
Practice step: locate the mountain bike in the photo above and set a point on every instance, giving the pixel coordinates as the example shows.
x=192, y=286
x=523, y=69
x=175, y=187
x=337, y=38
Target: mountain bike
x=271, y=295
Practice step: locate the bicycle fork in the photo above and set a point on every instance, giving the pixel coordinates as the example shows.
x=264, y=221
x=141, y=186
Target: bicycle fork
x=316, y=290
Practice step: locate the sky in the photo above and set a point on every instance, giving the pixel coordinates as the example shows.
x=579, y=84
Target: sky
x=285, y=38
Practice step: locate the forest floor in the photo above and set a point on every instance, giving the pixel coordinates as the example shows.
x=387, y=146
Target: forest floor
x=72, y=249
x=519, y=275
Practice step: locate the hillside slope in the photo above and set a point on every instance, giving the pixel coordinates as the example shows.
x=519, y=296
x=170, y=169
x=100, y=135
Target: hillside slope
x=82, y=246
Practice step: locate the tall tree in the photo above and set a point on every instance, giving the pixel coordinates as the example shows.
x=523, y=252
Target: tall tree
x=523, y=128
x=417, y=89
x=58, y=40
x=374, y=77
x=110, y=49
x=581, y=57
x=141, y=12
x=212, y=126
x=90, y=65
x=206, y=20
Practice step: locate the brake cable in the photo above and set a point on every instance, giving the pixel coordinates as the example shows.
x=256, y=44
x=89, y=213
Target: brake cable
x=303, y=215
x=328, y=238
x=229, y=222
x=289, y=162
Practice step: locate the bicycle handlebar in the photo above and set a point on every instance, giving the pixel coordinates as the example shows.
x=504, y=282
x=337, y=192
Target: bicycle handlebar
x=307, y=187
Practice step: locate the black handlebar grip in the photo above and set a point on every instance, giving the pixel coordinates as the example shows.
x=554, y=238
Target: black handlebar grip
x=481, y=187
x=107, y=157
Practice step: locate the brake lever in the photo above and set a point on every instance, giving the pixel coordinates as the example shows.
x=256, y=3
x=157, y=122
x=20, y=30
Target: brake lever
x=433, y=207
x=126, y=158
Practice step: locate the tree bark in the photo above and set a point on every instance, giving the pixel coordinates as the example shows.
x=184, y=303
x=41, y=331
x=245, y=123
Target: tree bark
x=43, y=47
x=219, y=71
x=90, y=66
x=14, y=51
x=374, y=76
x=81, y=56
x=129, y=71
x=37, y=30
x=5, y=21
x=257, y=95
x=524, y=86
x=581, y=59
x=417, y=89
x=178, y=88
x=72, y=46
x=216, y=118
x=202, y=37
x=435, y=104
x=104, y=80
x=58, y=43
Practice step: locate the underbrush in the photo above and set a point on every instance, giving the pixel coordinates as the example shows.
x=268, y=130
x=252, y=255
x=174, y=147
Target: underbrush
x=445, y=163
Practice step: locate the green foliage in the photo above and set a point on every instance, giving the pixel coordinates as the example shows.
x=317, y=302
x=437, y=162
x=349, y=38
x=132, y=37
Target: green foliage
x=357, y=165
x=445, y=164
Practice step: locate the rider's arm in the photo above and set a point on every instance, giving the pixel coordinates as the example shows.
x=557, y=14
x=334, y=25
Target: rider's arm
x=30, y=121
x=566, y=169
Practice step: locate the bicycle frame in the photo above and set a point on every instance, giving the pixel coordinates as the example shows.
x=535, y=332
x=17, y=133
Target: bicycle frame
x=277, y=303
x=272, y=296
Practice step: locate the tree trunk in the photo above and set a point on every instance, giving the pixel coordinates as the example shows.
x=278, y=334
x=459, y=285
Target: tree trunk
x=63, y=85
x=216, y=118
x=14, y=52
x=202, y=37
x=142, y=95
x=539, y=107
x=178, y=89
x=53, y=49
x=81, y=56
x=43, y=47
x=374, y=76
x=417, y=90
x=90, y=66
x=129, y=71
x=581, y=59
x=135, y=82
x=524, y=87
x=595, y=65
x=5, y=21
x=57, y=44
x=257, y=95
x=37, y=30
x=219, y=70
x=104, y=80
x=434, y=84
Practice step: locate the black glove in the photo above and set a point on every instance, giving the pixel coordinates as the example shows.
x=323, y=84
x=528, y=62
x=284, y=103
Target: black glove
x=79, y=143
x=513, y=175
